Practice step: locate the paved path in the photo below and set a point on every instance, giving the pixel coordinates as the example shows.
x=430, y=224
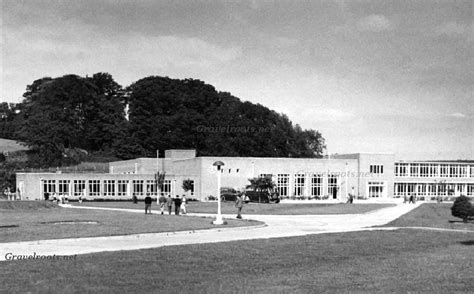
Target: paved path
x=276, y=226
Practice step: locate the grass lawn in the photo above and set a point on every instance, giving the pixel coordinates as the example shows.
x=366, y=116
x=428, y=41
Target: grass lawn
x=372, y=261
x=256, y=208
x=436, y=215
x=35, y=221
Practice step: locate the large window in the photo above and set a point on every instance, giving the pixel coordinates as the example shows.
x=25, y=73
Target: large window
x=444, y=170
x=431, y=190
x=151, y=187
x=401, y=169
x=94, y=188
x=167, y=187
x=424, y=170
x=137, y=187
x=400, y=189
x=332, y=186
x=414, y=170
x=299, y=185
x=442, y=189
x=109, y=188
x=470, y=190
x=421, y=190
x=376, y=189
x=434, y=170
x=283, y=184
x=64, y=187
x=472, y=171
x=79, y=187
x=122, y=187
x=49, y=186
x=411, y=189
x=463, y=171
x=454, y=171
x=317, y=185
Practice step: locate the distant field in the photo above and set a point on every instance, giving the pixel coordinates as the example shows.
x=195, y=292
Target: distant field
x=436, y=215
x=256, y=208
x=38, y=220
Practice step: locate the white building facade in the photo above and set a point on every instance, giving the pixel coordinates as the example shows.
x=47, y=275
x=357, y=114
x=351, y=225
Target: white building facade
x=362, y=175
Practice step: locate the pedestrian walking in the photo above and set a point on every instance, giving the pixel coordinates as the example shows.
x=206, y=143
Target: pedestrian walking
x=169, y=203
x=183, y=204
x=162, y=203
x=148, y=202
x=177, y=205
x=350, y=199
x=405, y=198
x=239, y=203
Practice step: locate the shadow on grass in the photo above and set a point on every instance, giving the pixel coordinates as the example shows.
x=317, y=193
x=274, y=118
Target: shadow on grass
x=459, y=222
x=9, y=226
x=467, y=243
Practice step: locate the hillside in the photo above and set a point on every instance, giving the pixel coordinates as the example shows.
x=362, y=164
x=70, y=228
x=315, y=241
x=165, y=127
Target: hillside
x=10, y=146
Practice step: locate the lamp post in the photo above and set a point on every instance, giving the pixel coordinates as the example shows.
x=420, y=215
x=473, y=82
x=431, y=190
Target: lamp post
x=347, y=180
x=219, y=220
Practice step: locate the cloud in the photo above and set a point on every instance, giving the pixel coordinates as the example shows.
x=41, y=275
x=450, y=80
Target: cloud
x=31, y=53
x=451, y=28
x=283, y=42
x=317, y=114
x=459, y=115
x=182, y=52
x=374, y=23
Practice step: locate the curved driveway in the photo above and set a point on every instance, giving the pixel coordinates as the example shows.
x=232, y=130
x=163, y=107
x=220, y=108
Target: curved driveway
x=276, y=226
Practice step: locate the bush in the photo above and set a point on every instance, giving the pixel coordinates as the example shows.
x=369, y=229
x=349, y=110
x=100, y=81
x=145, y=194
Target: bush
x=211, y=198
x=462, y=208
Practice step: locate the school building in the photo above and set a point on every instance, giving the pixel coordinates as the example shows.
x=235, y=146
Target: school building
x=361, y=174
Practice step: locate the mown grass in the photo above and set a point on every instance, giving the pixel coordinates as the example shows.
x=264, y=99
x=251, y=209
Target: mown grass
x=35, y=221
x=256, y=208
x=437, y=215
x=378, y=261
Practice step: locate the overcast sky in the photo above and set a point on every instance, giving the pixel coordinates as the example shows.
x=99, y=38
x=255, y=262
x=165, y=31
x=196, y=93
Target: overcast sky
x=371, y=76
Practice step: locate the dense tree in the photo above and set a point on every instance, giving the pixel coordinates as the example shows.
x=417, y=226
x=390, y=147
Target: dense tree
x=60, y=116
x=106, y=118
x=70, y=112
x=167, y=113
x=9, y=120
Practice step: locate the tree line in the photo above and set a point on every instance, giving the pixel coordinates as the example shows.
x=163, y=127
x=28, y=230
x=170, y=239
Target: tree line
x=66, y=119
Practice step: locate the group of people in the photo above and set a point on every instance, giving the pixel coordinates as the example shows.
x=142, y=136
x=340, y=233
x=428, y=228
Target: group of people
x=167, y=202
x=180, y=204
x=409, y=198
x=12, y=194
x=58, y=198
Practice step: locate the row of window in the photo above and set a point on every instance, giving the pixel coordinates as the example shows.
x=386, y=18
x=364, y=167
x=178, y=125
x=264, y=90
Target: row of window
x=433, y=170
x=315, y=185
x=376, y=169
x=106, y=187
x=428, y=189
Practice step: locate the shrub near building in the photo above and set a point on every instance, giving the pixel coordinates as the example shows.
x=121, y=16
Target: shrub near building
x=462, y=208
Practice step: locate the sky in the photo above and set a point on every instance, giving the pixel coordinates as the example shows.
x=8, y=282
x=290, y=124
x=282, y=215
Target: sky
x=371, y=76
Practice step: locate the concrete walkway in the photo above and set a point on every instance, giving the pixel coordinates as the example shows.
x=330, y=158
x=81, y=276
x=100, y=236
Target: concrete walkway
x=277, y=226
